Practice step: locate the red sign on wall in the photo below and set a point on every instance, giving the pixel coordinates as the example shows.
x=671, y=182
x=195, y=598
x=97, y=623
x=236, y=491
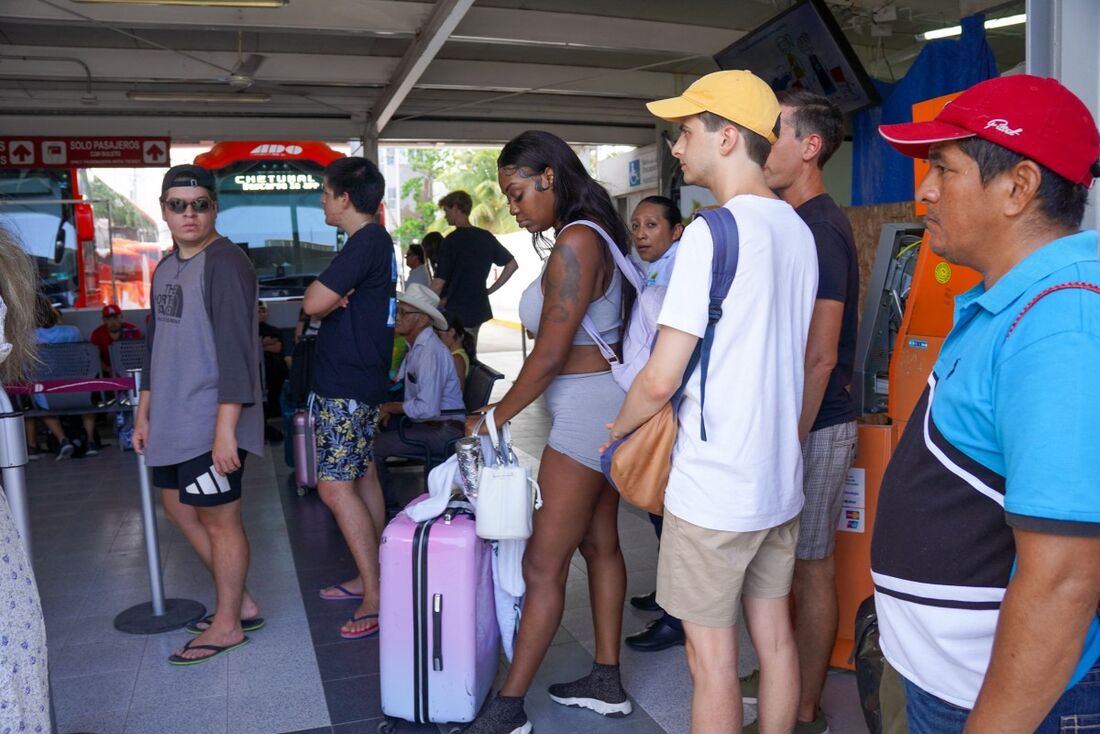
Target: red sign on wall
x=24, y=151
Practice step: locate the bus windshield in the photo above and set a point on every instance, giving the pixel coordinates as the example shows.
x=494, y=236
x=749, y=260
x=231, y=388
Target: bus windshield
x=31, y=209
x=272, y=208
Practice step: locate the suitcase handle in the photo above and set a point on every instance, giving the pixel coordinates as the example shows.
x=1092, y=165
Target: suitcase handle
x=437, y=632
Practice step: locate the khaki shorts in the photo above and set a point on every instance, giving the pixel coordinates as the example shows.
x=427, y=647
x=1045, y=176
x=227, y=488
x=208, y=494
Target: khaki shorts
x=701, y=573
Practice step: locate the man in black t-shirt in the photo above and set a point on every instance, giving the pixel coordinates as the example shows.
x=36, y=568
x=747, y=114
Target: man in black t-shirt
x=275, y=369
x=356, y=299
x=811, y=129
x=468, y=254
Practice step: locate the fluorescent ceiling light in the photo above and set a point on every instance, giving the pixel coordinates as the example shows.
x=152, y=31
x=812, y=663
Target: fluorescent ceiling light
x=956, y=30
x=200, y=3
x=215, y=97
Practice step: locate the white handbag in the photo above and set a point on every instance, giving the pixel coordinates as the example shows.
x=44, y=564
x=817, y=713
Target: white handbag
x=507, y=496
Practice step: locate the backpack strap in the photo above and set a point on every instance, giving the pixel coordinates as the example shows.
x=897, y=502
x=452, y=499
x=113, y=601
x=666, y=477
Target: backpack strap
x=629, y=272
x=724, y=234
x=1076, y=284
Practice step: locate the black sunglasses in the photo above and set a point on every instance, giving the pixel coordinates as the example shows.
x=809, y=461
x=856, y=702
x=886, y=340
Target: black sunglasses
x=199, y=206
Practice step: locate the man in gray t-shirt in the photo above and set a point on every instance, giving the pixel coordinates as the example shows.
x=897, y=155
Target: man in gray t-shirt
x=201, y=409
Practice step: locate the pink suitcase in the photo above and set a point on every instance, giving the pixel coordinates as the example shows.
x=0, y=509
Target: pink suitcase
x=439, y=639
x=305, y=452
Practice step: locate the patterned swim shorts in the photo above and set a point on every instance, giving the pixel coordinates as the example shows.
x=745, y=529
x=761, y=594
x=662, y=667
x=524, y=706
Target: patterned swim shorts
x=345, y=431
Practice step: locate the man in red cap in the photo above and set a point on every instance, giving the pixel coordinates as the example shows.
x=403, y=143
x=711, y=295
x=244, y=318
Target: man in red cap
x=986, y=549
x=110, y=331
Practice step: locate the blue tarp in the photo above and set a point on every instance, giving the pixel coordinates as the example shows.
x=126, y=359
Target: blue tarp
x=879, y=173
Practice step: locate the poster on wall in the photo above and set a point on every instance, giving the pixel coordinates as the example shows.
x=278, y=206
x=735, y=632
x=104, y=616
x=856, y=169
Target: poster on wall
x=803, y=48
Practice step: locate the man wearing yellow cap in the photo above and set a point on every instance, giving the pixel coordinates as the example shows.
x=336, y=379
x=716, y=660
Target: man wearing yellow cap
x=734, y=497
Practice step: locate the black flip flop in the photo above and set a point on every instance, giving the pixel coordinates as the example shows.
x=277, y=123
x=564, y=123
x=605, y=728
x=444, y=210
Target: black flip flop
x=216, y=651
x=247, y=625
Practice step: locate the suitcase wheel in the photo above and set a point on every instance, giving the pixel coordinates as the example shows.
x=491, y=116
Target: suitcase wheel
x=387, y=727
x=302, y=491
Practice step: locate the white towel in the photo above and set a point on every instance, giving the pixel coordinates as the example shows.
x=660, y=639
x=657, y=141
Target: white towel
x=508, y=585
x=441, y=481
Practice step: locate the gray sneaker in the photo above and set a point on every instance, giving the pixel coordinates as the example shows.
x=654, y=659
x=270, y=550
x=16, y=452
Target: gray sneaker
x=750, y=687
x=65, y=450
x=503, y=715
x=600, y=691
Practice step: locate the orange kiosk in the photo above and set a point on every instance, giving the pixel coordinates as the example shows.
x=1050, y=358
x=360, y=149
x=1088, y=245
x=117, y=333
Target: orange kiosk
x=927, y=318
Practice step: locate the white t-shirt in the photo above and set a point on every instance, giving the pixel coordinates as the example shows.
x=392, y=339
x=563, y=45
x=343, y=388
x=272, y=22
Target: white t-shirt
x=748, y=474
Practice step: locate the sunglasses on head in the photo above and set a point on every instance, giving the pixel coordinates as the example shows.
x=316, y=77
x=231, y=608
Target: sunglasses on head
x=179, y=206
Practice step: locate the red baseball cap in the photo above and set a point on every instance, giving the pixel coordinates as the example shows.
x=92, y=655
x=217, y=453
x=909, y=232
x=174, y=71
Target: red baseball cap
x=111, y=310
x=1038, y=118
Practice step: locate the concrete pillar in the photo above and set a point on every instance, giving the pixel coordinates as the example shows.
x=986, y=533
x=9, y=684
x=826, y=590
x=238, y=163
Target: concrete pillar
x=1061, y=43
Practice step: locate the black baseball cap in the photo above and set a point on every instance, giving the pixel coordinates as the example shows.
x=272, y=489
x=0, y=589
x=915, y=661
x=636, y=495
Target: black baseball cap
x=189, y=175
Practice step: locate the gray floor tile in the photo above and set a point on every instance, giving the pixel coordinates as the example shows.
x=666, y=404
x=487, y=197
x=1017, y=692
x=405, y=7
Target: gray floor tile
x=289, y=711
x=58, y=629
x=74, y=661
x=61, y=604
x=578, y=622
x=97, y=628
x=267, y=666
x=114, y=601
x=102, y=691
x=161, y=683
x=184, y=716
x=65, y=583
x=97, y=721
x=660, y=682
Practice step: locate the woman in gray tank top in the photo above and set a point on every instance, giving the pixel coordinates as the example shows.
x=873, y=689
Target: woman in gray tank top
x=548, y=188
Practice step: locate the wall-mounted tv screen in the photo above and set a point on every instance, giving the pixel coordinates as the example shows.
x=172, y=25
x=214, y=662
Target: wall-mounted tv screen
x=804, y=48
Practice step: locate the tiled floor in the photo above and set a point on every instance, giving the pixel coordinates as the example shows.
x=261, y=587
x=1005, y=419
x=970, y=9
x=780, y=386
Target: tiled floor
x=297, y=675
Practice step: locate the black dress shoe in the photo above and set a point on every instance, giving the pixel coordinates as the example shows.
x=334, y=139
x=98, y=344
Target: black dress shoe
x=646, y=602
x=659, y=635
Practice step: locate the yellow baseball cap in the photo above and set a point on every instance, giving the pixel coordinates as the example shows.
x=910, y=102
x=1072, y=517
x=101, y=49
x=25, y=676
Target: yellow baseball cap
x=738, y=96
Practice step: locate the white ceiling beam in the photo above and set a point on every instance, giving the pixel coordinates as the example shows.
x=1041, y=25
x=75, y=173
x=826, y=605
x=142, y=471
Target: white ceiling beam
x=149, y=65
x=146, y=66
x=433, y=35
x=535, y=110
x=591, y=31
x=480, y=131
x=386, y=17
x=552, y=79
x=228, y=127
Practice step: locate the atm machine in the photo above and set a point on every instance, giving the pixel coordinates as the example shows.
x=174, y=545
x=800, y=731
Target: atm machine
x=908, y=311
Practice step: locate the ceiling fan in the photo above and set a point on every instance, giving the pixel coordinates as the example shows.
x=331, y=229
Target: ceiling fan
x=242, y=75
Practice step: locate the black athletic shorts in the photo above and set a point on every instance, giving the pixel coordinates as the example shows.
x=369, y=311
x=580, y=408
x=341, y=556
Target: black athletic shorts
x=199, y=483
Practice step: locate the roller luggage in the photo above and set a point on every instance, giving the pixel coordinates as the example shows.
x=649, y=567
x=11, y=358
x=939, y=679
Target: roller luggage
x=305, y=452
x=439, y=639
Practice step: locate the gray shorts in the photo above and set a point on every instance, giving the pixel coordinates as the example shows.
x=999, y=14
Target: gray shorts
x=826, y=457
x=580, y=407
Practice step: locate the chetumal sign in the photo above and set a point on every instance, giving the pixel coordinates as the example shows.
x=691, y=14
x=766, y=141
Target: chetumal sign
x=25, y=151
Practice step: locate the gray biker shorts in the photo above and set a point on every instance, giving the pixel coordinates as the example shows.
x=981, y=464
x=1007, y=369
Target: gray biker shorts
x=581, y=406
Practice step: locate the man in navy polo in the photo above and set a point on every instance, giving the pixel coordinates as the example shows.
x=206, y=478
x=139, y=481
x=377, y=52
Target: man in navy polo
x=986, y=550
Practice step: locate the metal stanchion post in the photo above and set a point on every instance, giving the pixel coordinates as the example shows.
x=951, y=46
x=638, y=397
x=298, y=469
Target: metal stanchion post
x=160, y=614
x=13, y=460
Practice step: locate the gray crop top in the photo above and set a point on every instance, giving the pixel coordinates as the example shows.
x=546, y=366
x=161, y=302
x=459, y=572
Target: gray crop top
x=605, y=312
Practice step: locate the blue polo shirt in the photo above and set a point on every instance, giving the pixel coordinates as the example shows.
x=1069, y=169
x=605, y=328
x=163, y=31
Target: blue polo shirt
x=1004, y=437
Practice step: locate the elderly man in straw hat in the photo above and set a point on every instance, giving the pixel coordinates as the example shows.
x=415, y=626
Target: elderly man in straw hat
x=431, y=383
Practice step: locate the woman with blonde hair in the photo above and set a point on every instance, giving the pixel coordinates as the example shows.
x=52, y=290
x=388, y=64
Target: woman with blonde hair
x=24, y=686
